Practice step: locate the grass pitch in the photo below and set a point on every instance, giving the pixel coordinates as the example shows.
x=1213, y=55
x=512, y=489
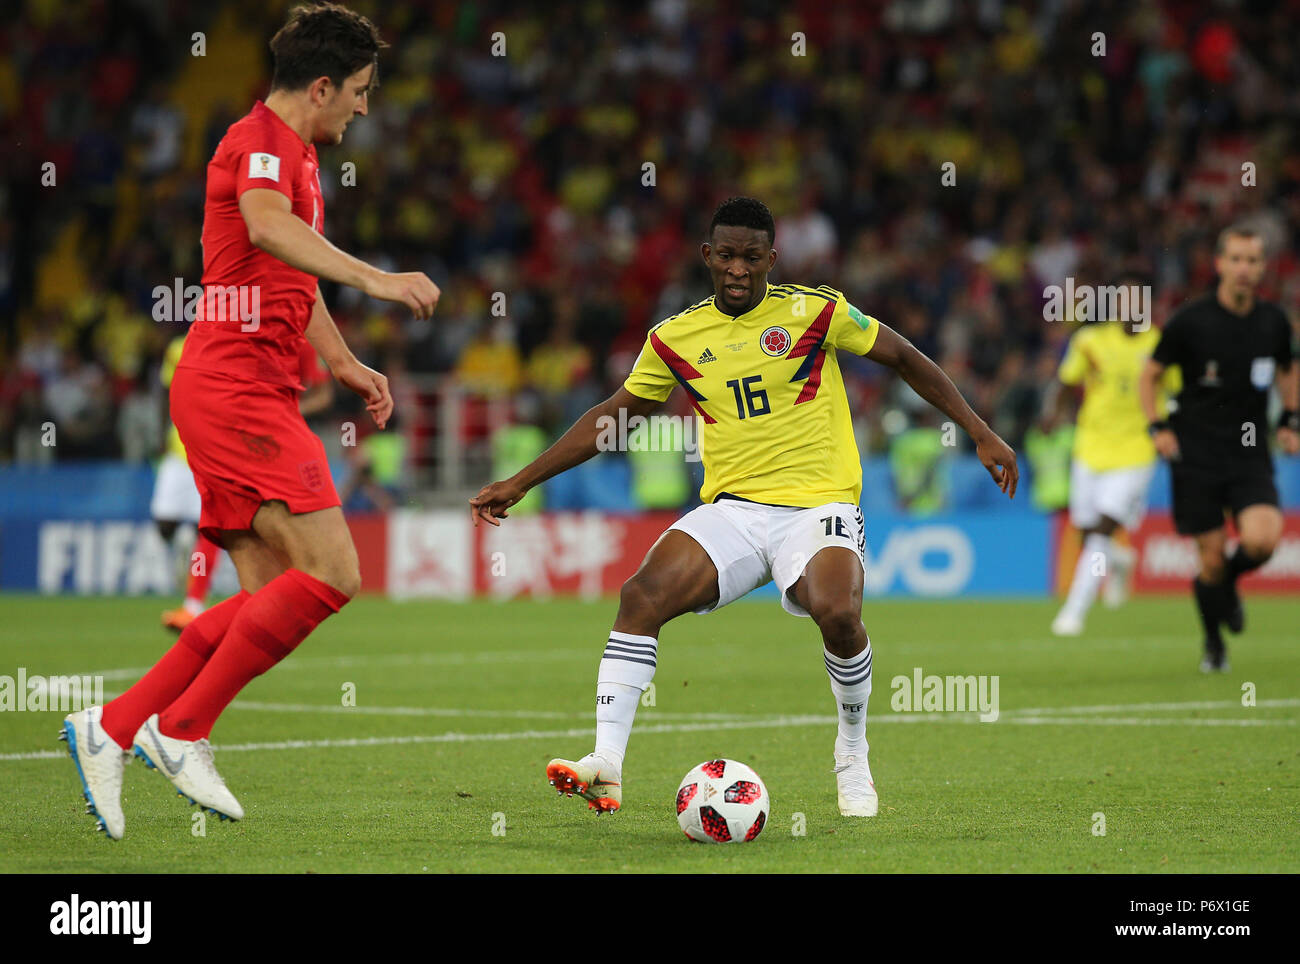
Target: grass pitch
x=439, y=767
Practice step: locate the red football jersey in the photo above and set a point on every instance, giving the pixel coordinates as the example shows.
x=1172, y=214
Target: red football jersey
x=255, y=308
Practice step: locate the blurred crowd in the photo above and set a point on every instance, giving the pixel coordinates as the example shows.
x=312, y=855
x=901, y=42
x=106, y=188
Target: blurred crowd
x=939, y=161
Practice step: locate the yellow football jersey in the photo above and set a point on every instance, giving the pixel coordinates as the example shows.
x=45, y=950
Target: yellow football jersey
x=1112, y=431
x=165, y=374
x=773, y=418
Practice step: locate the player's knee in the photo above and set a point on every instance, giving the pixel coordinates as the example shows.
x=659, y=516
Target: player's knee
x=343, y=574
x=839, y=621
x=350, y=585
x=344, y=577
x=1259, y=547
x=640, y=599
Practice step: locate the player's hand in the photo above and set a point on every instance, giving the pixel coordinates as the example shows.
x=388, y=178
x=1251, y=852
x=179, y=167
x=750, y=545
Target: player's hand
x=411, y=288
x=493, y=500
x=370, y=385
x=1289, y=440
x=1166, y=443
x=1000, y=460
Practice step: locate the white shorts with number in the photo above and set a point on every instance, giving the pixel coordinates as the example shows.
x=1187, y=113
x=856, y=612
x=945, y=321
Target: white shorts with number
x=175, y=497
x=752, y=544
x=1120, y=494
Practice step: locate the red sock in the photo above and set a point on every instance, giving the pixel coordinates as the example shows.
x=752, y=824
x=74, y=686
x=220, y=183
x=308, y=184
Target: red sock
x=171, y=674
x=276, y=619
x=197, y=588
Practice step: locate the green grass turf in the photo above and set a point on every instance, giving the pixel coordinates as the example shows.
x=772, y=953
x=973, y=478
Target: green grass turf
x=1180, y=793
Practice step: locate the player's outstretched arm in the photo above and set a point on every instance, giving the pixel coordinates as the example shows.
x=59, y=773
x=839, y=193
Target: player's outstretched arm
x=1164, y=439
x=574, y=447
x=273, y=227
x=928, y=380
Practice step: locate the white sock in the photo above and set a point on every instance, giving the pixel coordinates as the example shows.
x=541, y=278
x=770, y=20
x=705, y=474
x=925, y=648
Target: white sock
x=851, y=685
x=1094, y=562
x=626, y=670
x=1119, y=557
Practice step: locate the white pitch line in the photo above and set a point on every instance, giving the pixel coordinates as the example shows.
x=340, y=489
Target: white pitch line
x=453, y=711
x=1112, y=708
x=1141, y=721
x=702, y=726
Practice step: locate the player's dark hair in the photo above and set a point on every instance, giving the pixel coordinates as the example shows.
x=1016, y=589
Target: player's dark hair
x=1234, y=231
x=324, y=40
x=744, y=212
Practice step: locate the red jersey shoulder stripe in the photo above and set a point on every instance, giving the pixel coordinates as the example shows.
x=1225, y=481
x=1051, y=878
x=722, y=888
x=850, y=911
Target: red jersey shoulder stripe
x=810, y=348
x=683, y=371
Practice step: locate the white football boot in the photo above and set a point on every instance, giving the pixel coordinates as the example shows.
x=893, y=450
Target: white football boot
x=593, y=778
x=99, y=763
x=853, y=776
x=188, y=765
x=1067, y=624
x=1116, y=591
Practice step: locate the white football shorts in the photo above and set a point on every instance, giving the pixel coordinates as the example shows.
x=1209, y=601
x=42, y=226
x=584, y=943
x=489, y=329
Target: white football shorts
x=752, y=544
x=175, y=496
x=1120, y=494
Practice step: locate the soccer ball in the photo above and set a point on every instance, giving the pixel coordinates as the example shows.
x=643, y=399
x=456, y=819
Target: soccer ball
x=722, y=801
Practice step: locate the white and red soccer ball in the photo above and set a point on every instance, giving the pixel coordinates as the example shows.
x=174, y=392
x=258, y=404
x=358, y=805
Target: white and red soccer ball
x=722, y=801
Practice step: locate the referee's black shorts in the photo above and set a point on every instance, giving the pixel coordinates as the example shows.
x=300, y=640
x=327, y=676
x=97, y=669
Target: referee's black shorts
x=1202, y=492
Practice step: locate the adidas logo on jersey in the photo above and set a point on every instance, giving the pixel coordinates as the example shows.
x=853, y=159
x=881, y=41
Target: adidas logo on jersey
x=708, y=356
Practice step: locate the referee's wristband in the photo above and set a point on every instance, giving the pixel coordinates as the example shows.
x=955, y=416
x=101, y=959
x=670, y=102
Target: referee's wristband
x=1160, y=426
x=1290, y=419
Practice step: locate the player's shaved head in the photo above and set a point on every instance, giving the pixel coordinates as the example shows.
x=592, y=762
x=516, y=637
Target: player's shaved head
x=324, y=40
x=744, y=212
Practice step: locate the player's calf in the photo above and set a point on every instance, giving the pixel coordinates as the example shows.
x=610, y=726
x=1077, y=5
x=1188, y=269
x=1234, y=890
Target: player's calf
x=1255, y=549
x=1211, y=605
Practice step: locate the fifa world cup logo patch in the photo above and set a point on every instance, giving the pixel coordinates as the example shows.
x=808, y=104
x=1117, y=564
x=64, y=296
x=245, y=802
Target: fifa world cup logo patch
x=775, y=341
x=311, y=474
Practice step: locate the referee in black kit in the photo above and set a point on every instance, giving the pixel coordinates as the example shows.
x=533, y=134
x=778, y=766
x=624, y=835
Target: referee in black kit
x=1231, y=349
